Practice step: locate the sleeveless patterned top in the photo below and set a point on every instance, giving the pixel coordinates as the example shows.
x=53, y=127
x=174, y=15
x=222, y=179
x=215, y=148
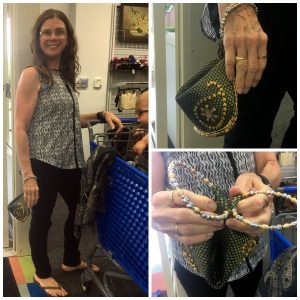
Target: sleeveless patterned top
x=217, y=168
x=54, y=131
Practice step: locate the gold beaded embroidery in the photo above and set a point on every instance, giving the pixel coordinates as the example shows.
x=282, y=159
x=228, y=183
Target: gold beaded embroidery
x=209, y=99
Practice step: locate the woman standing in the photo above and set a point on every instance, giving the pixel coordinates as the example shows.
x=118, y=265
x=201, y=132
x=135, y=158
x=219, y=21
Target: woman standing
x=49, y=141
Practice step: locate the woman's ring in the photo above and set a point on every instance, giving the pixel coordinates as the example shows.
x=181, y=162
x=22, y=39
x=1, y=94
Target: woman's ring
x=266, y=201
x=239, y=59
x=170, y=197
x=176, y=229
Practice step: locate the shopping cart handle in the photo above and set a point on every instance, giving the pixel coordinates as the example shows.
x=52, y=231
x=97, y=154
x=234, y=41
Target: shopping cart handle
x=94, y=122
x=290, y=189
x=123, y=120
x=129, y=120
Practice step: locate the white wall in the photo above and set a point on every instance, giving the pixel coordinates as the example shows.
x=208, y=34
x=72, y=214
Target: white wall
x=93, y=29
x=64, y=7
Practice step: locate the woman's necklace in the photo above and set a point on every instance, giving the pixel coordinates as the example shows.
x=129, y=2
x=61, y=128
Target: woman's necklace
x=232, y=211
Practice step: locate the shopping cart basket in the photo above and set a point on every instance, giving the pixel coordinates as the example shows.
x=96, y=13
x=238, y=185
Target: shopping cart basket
x=122, y=141
x=279, y=241
x=123, y=229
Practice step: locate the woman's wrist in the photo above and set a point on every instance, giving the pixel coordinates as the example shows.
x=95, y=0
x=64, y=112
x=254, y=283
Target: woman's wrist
x=264, y=180
x=27, y=172
x=100, y=116
x=25, y=178
x=226, y=9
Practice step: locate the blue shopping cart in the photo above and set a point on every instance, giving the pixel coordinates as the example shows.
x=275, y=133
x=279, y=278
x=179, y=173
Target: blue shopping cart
x=122, y=230
x=122, y=141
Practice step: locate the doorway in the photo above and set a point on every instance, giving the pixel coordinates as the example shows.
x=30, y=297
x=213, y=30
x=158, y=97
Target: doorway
x=7, y=121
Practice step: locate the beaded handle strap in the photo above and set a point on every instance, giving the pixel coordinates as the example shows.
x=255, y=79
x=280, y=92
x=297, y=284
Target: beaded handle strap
x=228, y=10
x=232, y=212
x=29, y=177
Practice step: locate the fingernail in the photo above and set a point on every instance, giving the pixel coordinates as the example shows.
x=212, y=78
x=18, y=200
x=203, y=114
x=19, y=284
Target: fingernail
x=228, y=223
x=210, y=235
x=246, y=91
x=221, y=223
x=239, y=91
x=212, y=206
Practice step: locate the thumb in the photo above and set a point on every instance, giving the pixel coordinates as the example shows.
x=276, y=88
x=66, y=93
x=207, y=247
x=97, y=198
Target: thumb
x=204, y=203
x=235, y=190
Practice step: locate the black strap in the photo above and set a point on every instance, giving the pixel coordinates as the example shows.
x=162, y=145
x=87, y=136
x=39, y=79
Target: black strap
x=70, y=92
x=233, y=165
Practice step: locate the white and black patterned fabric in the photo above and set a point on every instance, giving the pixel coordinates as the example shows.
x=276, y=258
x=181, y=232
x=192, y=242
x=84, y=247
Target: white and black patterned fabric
x=210, y=24
x=280, y=280
x=52, y=136
x=217, y=168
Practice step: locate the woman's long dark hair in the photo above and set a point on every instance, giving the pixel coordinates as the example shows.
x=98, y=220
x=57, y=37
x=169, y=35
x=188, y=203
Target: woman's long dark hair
x=69, y=66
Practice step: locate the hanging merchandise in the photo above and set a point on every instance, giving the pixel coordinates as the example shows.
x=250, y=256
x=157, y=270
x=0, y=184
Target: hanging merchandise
x=129, y=63
x=128, y=100
x=128, y=70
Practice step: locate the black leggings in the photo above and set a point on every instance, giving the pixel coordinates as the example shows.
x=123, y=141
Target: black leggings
x=196, y=286
x=258, y=108
x=51, y=181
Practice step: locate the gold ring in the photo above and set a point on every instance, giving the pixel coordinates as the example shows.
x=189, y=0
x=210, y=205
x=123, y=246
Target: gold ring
x=262, y=57
x=266, y=201
x=176, y=229
x=170, y=197
x=238, y=59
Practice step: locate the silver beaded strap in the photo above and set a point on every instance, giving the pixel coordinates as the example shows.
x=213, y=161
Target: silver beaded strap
x=232, y=213
x=228, y=10
x=205, y=215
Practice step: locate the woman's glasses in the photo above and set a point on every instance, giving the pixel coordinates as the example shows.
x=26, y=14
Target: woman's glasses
x=58, y=32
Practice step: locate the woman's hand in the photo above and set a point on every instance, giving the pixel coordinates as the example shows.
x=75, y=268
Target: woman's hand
x=31, y=192
x=245, y=45
x=113, y=121
x=171, y=217
x=257, y=208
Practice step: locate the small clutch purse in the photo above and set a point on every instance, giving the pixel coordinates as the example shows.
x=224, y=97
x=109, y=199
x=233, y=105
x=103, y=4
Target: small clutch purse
x=209, y=99
x=18, y=208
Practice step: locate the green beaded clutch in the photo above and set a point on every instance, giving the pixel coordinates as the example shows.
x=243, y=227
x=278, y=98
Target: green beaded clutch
x=217, y=258
x=18, y=208
x=209, y=99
